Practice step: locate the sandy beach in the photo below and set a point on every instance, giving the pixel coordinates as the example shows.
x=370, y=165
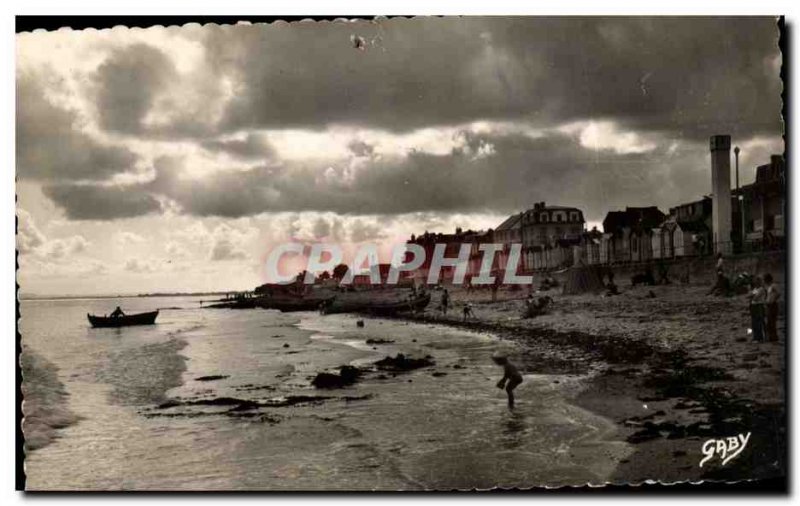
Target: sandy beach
x=673, y=367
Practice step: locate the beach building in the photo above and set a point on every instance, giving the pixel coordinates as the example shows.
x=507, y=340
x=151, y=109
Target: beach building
x=508, y=233
x=544, y=225
x=452, y=243
x=764, y=205
x=588, y=251
x=628, y=234
x=548, y=234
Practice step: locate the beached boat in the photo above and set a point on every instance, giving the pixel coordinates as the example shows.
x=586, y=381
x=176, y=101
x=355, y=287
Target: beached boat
x=392, y=308
x=250, y=303
x=377, y=308
x=290, y=304
x=123, y=321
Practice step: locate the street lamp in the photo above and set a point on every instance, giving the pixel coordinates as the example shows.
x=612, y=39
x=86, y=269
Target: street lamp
x=739, y=198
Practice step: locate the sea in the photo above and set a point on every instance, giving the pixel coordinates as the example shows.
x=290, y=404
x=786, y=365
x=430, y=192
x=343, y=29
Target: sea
x=168, y=406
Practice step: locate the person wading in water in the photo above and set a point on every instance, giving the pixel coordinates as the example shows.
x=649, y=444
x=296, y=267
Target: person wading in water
x=511, y=377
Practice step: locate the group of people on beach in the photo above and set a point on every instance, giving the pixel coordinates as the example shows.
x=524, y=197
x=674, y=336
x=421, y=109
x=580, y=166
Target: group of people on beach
x=764, y=297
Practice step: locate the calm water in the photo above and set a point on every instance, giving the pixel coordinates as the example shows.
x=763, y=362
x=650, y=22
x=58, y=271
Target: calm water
x=411, y=431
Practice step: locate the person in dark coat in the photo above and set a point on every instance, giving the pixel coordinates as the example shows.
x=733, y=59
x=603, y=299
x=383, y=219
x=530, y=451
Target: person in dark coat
x=772, y=298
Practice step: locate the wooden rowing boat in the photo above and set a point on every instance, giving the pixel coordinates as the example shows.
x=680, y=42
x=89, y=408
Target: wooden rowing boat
x=123, y=321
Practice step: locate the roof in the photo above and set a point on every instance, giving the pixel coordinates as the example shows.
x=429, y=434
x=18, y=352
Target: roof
x=511, y=222
x=633, y=217
x=557, y=208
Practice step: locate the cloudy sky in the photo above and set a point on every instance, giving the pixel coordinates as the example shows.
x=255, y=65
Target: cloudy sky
x=172, y=159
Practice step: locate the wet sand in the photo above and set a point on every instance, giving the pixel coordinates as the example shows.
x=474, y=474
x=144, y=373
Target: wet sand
x=672, y=369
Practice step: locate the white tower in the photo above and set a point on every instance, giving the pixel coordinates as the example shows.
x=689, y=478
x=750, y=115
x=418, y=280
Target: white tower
x=721, y=193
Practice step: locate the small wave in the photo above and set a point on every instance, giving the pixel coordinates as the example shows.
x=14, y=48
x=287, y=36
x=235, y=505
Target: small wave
x=185, y=330
x=44, y=406
x=143, y=375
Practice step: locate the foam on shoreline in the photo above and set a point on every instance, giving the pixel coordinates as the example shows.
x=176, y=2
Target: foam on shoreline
x=44, y=406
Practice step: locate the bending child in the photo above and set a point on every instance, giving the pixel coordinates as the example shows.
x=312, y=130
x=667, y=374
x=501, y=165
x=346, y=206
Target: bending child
x=510, y=380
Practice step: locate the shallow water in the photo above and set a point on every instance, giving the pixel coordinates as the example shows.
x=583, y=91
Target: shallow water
x=146, y=422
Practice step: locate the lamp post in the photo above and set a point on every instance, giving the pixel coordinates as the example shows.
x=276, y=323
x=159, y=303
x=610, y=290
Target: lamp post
x=740, y=199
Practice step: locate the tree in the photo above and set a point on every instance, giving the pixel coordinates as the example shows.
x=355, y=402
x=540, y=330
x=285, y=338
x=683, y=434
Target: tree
x=300, y=279
x=339, y=272
x=325, y=275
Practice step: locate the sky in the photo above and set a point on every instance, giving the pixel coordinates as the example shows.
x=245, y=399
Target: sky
x=174, y=159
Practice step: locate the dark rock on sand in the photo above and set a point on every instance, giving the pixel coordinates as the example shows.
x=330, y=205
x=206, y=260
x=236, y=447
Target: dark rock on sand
x=379, y=341
x=346, y=377
x=293, y=400
x=213, y=377
x=216, y=401
x=403, y=363
x=643, y=435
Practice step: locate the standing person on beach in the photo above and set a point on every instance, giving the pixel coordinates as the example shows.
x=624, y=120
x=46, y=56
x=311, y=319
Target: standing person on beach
x=773, y=296
x=511, y=377
x=445, y=301
x=758, y=296
x=722, y=285
x=468, y=311
x=495, y=287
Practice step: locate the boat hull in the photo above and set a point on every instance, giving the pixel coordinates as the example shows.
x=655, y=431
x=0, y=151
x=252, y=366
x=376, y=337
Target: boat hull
x=377, y=308
x=288, y=305
x=123, y=321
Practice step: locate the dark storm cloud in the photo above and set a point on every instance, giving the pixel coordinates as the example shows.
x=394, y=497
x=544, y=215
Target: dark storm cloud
x=661, y=78
x=127, y=83
x=93, y=202
x=689, y=77
x=50, y=144
x=521, y=171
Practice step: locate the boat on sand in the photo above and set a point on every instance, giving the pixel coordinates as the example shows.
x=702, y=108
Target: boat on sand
x=375, y=307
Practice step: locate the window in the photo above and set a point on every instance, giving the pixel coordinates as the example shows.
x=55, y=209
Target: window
x=543, y=217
